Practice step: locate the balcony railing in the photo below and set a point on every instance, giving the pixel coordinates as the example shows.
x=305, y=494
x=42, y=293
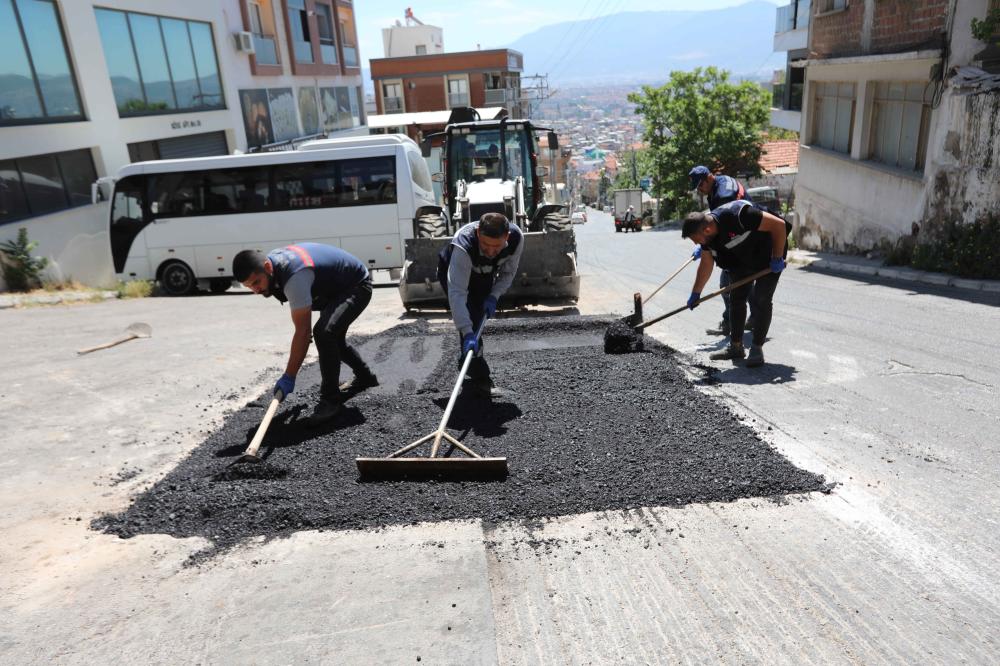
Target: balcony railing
x=264, y=50
x=778, y=96
x=458, y=99
x=795, y=97
x=497, y=96
x=350, y=56
x=393, y=104
x=794, y=16
x=328, y=52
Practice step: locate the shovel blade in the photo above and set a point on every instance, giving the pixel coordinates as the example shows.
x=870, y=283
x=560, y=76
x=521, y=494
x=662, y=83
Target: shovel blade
x=441, y=469
x=635, y=318
x=247, y=458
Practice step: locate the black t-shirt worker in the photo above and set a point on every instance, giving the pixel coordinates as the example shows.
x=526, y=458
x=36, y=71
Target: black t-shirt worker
x=475, y=269
x=315, y=277
x=743, y=240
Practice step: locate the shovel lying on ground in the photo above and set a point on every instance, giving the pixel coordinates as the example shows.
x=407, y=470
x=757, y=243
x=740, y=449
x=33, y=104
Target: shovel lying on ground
x=136, y=330
x=447, y=468
x=636, y=317
x=640, y=325
x=250, y=455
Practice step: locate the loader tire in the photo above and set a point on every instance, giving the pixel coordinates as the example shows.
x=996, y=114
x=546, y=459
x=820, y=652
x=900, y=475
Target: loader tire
x=431, y=226
x=557, y=222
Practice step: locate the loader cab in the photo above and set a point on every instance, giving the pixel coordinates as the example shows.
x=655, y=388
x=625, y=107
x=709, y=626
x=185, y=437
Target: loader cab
x=486, y=153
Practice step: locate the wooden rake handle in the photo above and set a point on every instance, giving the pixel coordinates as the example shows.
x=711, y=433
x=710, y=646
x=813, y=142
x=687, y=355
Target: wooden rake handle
x=264, y=423
x=665, y=282
x=701, y=300
x=124, y=338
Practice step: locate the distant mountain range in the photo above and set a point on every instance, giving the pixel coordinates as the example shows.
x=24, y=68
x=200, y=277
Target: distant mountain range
x=635, y=47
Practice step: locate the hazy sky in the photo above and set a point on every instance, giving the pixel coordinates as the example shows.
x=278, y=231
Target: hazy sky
x=496, y=23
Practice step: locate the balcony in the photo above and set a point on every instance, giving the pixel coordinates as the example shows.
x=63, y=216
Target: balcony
x=791, y=26
x=458, y=99
x=496, y=97
x=350, y=56
x=392, y=104
x=778, y=96
x=794, y=96
x=265, y=50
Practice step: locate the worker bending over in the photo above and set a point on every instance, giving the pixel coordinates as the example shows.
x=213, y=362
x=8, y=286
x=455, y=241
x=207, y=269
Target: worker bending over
x=475, y=270
x=743, y=240
x=315, y=277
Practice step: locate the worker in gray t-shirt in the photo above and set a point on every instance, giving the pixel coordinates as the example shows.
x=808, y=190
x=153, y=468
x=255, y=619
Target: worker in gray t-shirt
x=475, y=270
x=322, y=278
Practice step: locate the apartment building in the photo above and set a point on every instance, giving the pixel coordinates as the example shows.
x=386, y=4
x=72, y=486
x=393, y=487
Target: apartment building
x=442, y=81
x=898, y=121
x=791, y=36
x=87, y=87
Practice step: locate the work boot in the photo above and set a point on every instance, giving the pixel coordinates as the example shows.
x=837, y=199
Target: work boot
x=325, y=410
x=756, y=357
x=482, y=386
x=722, y=329
x=359, y=383
x=730, y=353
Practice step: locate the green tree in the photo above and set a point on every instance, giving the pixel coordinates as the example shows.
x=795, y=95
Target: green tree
x=632, y=166
x=21, y=270
x=700, y=117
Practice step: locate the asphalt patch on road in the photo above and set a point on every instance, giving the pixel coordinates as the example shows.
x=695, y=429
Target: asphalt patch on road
x=582, y=431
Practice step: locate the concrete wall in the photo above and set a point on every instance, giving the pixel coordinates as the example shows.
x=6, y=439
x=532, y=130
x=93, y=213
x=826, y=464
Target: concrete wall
x=75, y=240
x=403, y=40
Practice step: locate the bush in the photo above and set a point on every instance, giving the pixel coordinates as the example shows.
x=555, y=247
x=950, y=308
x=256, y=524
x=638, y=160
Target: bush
x=966, y=250
x=21, y=271
x=135, y=289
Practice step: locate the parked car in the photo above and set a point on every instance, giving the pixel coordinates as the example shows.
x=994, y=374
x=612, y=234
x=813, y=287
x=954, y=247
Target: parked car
x=578, y=218
x=766, y=196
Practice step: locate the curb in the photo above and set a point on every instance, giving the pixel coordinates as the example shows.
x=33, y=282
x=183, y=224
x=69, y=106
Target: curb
x=893, y=272
x=9, y=301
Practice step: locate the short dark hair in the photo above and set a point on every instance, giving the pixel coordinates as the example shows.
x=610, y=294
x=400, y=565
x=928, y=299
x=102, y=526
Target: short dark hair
x=246, y=263
x=494, y=225
x=692, y=223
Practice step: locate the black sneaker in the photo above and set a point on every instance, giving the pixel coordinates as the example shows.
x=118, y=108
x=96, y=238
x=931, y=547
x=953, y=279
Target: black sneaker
x=721, y=329
x=756, y=357
x=482, y=386
x=359, y=383
x=324, y=411
x=730, y=353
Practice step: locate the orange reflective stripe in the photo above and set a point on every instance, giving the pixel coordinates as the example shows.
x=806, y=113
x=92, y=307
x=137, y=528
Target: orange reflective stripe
x=303, y=255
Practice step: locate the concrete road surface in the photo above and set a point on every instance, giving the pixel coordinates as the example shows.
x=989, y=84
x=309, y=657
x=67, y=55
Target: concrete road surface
x=891, y=392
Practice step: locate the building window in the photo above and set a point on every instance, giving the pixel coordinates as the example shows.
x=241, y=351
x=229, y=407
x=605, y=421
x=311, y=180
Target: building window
x=42, y=184
x=901, y=116
x=833, y=116
x=392, y=98
x=36, y=80
x=298, y=26
x=421, y=49
x=832, y=5
x=159, y=64
x=348, y=35
x=327, y=42
x=458, y=92
x=262, y=28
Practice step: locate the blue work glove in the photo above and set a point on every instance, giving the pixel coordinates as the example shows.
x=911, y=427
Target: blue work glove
x=286, y=385
x=697, y=252
x=490, y=306
x=693, y=300
x=777, y=264
x=469, y=343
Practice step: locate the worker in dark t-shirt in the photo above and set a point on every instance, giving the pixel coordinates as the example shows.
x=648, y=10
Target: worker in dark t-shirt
x=744, y=240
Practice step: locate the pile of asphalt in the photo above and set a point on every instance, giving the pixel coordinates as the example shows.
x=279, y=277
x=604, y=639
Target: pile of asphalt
x=582, y=431
x=620, y=338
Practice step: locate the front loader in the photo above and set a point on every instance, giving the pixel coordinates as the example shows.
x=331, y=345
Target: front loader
x=492, y=166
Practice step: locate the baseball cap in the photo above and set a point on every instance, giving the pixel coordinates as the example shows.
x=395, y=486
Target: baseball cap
x=697, y=174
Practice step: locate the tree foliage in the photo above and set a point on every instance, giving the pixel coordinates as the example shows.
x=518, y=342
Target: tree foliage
x=701, y=117
x=21, y=271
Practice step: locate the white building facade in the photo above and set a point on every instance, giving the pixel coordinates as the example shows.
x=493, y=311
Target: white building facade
x=86, y=88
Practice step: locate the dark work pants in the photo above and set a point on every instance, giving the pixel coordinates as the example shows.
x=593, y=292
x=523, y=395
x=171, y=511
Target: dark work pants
x=760, y=292
x=478, y=368
x=726, y=279
x=330, y=336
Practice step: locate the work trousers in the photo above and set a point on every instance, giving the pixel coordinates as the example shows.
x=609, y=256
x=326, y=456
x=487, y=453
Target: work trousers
x=760, y=293
x=726, y=279
x=330, y=336
x=478, y=368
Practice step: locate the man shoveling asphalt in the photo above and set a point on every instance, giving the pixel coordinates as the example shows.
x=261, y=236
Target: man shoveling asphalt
x=312, y=276
x=475, y=270
x=744, y=240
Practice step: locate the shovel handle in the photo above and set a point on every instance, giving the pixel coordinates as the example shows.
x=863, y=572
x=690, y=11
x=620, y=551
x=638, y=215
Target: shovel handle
x=676, y=273
x=124, y=338
x=264, y=423
x=726, y=290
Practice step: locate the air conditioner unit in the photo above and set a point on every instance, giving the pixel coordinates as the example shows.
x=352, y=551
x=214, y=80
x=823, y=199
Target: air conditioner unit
x=244, y=41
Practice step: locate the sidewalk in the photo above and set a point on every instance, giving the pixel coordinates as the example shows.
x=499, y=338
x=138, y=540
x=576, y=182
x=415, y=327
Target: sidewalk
x=847, y=264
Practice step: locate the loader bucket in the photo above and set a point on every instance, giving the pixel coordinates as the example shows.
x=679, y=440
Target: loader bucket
x=547, y=271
